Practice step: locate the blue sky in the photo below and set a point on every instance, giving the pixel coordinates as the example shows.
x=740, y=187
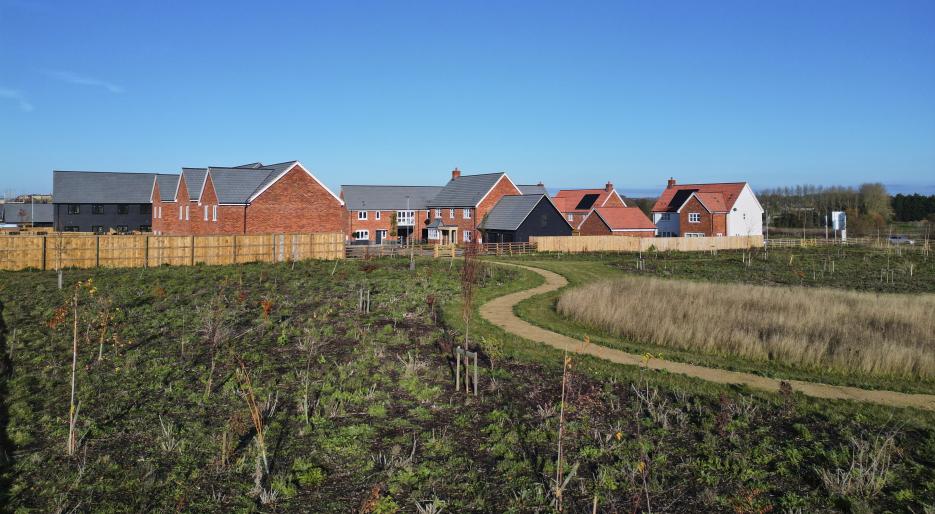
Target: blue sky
x=571, y=93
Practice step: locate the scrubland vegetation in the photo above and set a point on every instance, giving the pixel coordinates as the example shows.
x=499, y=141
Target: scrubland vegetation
x=873, y=333
x=329, y=388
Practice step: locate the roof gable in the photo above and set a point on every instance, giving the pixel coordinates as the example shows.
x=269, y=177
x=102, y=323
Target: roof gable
x=672, y=198
x=466, y=190
x=511, y=211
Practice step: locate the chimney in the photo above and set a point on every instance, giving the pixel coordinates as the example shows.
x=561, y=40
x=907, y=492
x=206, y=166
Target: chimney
x=455, y=173
x=671, y=183
x=540, y=184
x=608, y=187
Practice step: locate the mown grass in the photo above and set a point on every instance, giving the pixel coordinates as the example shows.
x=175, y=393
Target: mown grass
x=851, y=273
x=810, y=328
x=164, y=425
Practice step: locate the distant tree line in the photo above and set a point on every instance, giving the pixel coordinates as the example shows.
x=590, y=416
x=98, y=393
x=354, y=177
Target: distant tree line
x=914, y=207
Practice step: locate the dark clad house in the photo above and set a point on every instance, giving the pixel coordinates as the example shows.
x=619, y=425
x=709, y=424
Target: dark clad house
x=27, y=214
x=93, y=201
x=517, y=217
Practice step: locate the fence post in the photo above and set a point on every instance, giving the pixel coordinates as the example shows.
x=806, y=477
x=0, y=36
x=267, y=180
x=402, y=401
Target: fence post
x=191, y=249
x=44, y=247
x=97, y=251
x=146, y=251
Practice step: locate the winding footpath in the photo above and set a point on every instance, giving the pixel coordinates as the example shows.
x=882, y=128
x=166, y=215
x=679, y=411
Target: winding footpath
x=499, y=311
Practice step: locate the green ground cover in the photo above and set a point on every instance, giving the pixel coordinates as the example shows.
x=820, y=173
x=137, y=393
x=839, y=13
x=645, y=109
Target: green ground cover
x=854, y=269
x=360, y=413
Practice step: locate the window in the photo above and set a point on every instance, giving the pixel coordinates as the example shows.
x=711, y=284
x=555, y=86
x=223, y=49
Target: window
x=70, y=228
x=467, y=236
x=186, y=213
x=665, y=217
x=214, y=213
x=381, y=235
x=123, y=229
x=361, y=215
x=405, y=218
x=97, y=229
x=180, y=212
x=433, y=234
x=466, y=213
x=377, y=214
x=451, y=213
x=571, y=217
x=206, y=213
x=159, y=212
x=74, y=208
x=146, y=228
x=694, y=234
x=123, y=209
x=97, y=209
x=146, y=208
x=694, y=217
x=361, y=235
x=438, y=213
x=744, y=215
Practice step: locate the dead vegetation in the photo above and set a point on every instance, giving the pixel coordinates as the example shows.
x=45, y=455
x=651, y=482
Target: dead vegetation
x=878, y=334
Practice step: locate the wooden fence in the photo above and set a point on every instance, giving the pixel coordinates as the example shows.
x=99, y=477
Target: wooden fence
x=579, y=244
x=129, y=251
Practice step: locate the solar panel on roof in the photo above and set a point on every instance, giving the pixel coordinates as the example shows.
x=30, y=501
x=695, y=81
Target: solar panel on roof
x=587, y=201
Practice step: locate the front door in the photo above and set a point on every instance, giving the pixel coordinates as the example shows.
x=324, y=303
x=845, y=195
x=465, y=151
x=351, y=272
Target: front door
x=381, y=235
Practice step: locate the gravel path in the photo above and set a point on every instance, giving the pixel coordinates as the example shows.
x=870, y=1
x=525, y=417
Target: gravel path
x=499, y=311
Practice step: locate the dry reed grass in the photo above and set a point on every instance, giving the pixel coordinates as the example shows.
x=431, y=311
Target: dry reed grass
x=879, y=334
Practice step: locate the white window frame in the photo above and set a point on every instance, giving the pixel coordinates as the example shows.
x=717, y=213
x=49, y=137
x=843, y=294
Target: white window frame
x=467, y=235
x=571, y=217
x=187, y=213
x=438, y=213
x=433, y=234
x=377, y=215
x=180, y=213
x=361, y=215
x=383, y=235
x=206, y=213
x=214, y=213
x=159, y=212
x=665, y=217
x=466, y=213
x=693, y=234
x=694, y=217
x=361, y=235
x=451, y=213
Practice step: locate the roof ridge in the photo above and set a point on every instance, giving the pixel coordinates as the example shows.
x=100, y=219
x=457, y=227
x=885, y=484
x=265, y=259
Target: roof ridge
x=114, y=172
x=381, y=185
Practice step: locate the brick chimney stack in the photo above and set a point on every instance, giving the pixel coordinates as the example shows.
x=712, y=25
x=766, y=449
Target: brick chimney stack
x=671, y=183
x=608, y=187
x=455, y=173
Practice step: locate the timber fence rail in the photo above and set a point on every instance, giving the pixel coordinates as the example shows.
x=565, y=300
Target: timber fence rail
x=137, y=251
x=581, y=244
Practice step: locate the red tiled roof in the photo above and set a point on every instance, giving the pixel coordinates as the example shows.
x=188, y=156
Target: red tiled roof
x=673, y=197
x=568, y=199
x=625, y=218
x=714, y=202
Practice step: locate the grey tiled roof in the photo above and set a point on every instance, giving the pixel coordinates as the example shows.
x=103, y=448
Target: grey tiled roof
x=465, y=191
x=237, y=185
x=532, y=189
x=387, y=198
x=194, y=180
x=24, y=212
x=167, y=186
x=510, y=212
x=101, y=187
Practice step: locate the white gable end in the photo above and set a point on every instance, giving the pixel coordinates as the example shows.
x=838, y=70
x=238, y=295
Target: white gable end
x=746, y=217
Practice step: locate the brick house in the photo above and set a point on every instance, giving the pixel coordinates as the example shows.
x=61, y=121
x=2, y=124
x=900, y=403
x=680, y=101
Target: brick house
x=459, y=208
x=248, y=199
x=705, y=210
x=380, y=213
x=575, y=204
x=617, y=221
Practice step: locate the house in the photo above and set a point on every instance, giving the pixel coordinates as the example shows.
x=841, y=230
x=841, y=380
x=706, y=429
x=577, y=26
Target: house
x=617, y=221
x=27, y=214
x=93, y=201
x=698, y=210
x=517, y=217
x=575, y=204
x=380, y=213
x=248, y=199
x=458, y=209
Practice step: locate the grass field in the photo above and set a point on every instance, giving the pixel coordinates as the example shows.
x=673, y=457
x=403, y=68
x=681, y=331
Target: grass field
x=853, y=271
x=358, y=414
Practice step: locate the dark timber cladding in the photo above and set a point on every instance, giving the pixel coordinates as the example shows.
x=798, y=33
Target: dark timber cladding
x=90, y=201
x=516, y=218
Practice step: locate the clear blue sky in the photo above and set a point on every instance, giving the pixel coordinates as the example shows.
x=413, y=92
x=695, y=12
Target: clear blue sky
x=570, y=93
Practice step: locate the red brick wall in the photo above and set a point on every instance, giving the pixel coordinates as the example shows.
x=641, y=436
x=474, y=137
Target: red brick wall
x=295, y=203
x=372, y=224
x=594, y=226
x=499, y=190
x=157, y=223
x=170, y=223
x=637, y=233
x=711, y=224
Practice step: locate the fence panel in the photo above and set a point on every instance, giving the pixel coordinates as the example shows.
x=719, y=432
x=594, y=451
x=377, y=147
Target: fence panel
x=120, y=251
x=580, y=244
